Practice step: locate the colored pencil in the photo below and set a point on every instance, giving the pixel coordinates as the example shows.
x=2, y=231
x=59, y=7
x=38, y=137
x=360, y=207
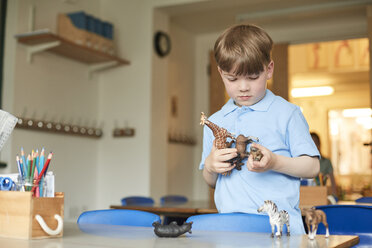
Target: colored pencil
x=37, y=193
x=39, y=168
x=24, y=168
x=42, y=172
x=29, y=165
x=41, y=160
x=19, y=166
x=33, y=164
x=24, y=161
x=37, y=160
x=47, y=166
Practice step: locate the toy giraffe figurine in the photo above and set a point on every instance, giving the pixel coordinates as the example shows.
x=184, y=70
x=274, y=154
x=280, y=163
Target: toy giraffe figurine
x=221, y=134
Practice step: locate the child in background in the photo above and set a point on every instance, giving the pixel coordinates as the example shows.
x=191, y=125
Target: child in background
x=326, y=168
x=243, y=55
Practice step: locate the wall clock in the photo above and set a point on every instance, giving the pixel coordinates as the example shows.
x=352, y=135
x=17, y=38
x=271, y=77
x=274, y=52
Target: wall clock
x=162, y=43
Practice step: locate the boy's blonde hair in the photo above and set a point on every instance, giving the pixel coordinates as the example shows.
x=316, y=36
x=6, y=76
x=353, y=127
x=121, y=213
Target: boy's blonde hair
x=243, y=50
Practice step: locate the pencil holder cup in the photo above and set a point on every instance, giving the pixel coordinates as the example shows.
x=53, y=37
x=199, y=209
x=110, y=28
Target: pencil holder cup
x=24, y=184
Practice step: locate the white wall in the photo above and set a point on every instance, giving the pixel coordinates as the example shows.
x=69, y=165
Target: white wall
x=159, y=120
x=146, y=164
x=125, y=97
x=53, y=88
x=181, y=87
x=95, y=173
x=203, y=45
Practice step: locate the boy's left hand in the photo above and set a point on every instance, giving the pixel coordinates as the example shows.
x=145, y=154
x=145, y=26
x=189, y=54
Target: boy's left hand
x=266, y=162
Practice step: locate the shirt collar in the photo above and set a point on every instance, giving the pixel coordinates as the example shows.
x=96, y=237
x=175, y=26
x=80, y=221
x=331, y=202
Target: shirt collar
x=262, y=105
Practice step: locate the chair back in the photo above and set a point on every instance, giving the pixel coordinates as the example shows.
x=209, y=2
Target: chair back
x=173, y=199
x=123, y=217
x=237, y=222
x=364, y=200
x=137, y=200
x=348, y=220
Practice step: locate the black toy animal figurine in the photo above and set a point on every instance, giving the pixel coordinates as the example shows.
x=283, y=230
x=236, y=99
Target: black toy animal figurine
x=172, y=230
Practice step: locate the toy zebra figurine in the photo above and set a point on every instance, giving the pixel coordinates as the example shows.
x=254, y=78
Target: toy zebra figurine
x=277, y=219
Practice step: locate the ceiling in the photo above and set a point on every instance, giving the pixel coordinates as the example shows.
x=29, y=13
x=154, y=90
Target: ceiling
x=211, y=16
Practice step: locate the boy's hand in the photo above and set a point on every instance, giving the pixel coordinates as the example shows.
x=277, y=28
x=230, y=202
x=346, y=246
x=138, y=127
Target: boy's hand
x=216, y=160
x=266, y=163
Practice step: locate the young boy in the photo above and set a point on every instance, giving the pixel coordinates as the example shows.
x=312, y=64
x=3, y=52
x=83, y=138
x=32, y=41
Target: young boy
x=243, y=55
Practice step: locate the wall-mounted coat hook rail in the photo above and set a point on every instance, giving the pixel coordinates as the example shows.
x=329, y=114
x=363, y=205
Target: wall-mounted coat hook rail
x=61, y=128
x=123, y=132
x=179, y=138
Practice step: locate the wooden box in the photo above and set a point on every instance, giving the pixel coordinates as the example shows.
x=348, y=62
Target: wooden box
x=67, y=30
x=313, y=196
x=19, y=210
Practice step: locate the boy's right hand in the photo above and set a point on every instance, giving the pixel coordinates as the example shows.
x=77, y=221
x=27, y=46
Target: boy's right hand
x=216, y=160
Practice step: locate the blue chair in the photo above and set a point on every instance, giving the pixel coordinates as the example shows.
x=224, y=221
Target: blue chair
x=349, y=220
x=364, y=200
x=137, y=200
x=123, y=217
x=237, y=222
x=173, y=200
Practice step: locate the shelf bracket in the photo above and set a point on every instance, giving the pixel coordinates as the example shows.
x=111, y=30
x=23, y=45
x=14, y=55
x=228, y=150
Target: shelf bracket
x=31, y=50
x=100, y=67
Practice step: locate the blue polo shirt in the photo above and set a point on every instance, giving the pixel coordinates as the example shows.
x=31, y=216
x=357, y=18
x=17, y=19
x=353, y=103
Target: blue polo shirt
x=280, y=127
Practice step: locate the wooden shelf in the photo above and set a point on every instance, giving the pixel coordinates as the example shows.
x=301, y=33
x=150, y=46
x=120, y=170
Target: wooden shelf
x=46, y=41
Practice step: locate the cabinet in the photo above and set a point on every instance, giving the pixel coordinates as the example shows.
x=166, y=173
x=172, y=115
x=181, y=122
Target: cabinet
x=44, y=40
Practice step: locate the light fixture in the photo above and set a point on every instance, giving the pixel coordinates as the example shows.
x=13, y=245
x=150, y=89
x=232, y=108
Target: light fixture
x=365, y=121
x=360, y=112
x=312, y=91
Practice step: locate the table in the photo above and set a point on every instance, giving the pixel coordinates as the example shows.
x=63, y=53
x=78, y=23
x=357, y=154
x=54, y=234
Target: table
x=198, y=207
x=353, y=203
x=181, y=210
x=90, y=235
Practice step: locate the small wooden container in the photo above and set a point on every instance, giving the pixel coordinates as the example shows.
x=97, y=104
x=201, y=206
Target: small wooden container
x=313, y=196
x=67, y=30
x=18, y=211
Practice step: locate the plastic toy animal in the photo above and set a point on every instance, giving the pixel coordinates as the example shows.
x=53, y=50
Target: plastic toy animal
x=241, y=145
x=312, y=219
x=277, y=219
x=172, y=230
x=256, y=153
x=220, y=134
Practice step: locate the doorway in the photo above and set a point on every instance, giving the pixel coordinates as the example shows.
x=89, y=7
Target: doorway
x=342, y=67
